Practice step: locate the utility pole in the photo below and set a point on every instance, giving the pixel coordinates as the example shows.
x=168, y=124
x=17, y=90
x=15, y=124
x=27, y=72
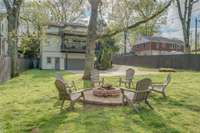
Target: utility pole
x=198, y=42
x=196, y=34
x=0, y=37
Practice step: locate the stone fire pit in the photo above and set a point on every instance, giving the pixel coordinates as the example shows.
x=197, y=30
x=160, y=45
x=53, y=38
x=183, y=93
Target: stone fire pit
x=106, y=91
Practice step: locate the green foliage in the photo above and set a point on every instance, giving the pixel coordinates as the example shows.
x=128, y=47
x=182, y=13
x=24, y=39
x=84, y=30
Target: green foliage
x=30, y=45
x=104, y=55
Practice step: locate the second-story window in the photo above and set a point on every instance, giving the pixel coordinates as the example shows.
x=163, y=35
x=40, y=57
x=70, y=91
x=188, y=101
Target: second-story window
x=157, y=46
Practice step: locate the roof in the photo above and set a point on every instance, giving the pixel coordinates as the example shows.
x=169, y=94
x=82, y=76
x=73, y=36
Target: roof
x=66, y=25
x=161, y=40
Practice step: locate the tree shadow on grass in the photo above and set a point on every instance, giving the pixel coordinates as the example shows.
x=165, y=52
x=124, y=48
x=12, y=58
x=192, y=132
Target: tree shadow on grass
x=181, y=104
x=154, y=122
x=176, y=103
x=47, y=73
x=53, y=123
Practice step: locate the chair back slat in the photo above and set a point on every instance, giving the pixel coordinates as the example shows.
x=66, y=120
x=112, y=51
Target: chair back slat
x=95, y=76
x=142, y=90
x=59, y=76
x=64, y=93
x=130, y=74
x=167, y=80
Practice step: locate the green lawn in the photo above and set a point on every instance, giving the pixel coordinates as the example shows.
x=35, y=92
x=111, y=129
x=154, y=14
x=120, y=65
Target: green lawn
x=30, y=100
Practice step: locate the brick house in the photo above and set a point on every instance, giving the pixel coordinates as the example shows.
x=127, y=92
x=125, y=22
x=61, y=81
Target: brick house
x=158, y=46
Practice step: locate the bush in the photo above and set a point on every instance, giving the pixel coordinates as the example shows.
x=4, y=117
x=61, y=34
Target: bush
x=167, y=70
x=106, y=48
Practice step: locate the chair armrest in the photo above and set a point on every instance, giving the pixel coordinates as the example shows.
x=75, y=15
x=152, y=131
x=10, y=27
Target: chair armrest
x=122, y=78
x=140, y=91
x=103, y=80
x=82, y=90
x=157, y=83
x=125, y=89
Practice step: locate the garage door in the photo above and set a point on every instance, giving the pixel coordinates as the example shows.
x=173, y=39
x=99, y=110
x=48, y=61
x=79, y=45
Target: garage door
x=75, y=64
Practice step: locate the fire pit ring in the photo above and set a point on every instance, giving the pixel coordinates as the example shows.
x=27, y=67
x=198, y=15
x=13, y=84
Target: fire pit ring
x=106, y=91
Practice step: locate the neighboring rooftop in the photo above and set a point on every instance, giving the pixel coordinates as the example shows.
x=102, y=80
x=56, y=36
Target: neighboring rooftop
x=66, y=24
x=158, y=39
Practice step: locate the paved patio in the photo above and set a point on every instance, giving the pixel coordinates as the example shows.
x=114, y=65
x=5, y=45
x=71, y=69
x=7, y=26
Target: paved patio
x=90, y=98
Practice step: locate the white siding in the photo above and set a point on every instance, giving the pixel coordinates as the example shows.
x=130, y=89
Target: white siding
x=51, y=48
x=51, y=44
x=52, y=55
x=75, y=56
x=4, y=34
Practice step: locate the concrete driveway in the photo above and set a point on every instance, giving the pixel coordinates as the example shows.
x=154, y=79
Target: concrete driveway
x=119, y=70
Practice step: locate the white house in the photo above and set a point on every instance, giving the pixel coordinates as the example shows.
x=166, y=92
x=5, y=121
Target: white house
x=3, y=34
x=64, y=47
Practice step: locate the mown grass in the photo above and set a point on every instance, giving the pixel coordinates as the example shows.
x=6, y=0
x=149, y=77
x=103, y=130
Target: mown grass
x=30, y=101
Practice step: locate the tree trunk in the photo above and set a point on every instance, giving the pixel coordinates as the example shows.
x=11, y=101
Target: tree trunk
x=91, y=39
x=12, y=41
x=187, y=44
x=125, y=41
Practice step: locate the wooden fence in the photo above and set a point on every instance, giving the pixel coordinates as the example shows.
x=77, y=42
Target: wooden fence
x=188, y=62
x=5, y=67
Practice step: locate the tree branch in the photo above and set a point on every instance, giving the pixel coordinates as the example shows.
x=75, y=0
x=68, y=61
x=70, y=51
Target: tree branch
x=179, y=10
x=137, y=23
x=7, y=4
x=17, y=3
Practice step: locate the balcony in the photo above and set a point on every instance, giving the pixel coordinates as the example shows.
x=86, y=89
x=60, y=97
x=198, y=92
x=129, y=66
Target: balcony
x=73, y=48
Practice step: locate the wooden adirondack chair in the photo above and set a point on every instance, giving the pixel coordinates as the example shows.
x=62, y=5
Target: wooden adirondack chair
x=140, y=95
x=95, y=78
x=128, y=78
x=161, y=87
x=70, y=84
x=65, y=93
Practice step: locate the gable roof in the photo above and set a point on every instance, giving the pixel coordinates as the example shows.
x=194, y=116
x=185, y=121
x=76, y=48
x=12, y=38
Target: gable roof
x=163, y=39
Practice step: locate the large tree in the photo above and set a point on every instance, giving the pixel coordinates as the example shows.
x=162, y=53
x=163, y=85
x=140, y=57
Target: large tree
x=64, y=11
x=91, y=39
x=93, y=36
x=185, y=13
x=13, y=10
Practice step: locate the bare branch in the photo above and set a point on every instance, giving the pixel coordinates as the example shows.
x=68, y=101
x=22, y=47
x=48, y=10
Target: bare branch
x=137, y=23
x=179, y=10
x=7, y=4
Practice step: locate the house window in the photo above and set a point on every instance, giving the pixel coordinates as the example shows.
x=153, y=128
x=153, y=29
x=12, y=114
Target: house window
x=2, y=27
x=173, y=46
x=163, y=45
x=48, y=60
x=157, y=45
